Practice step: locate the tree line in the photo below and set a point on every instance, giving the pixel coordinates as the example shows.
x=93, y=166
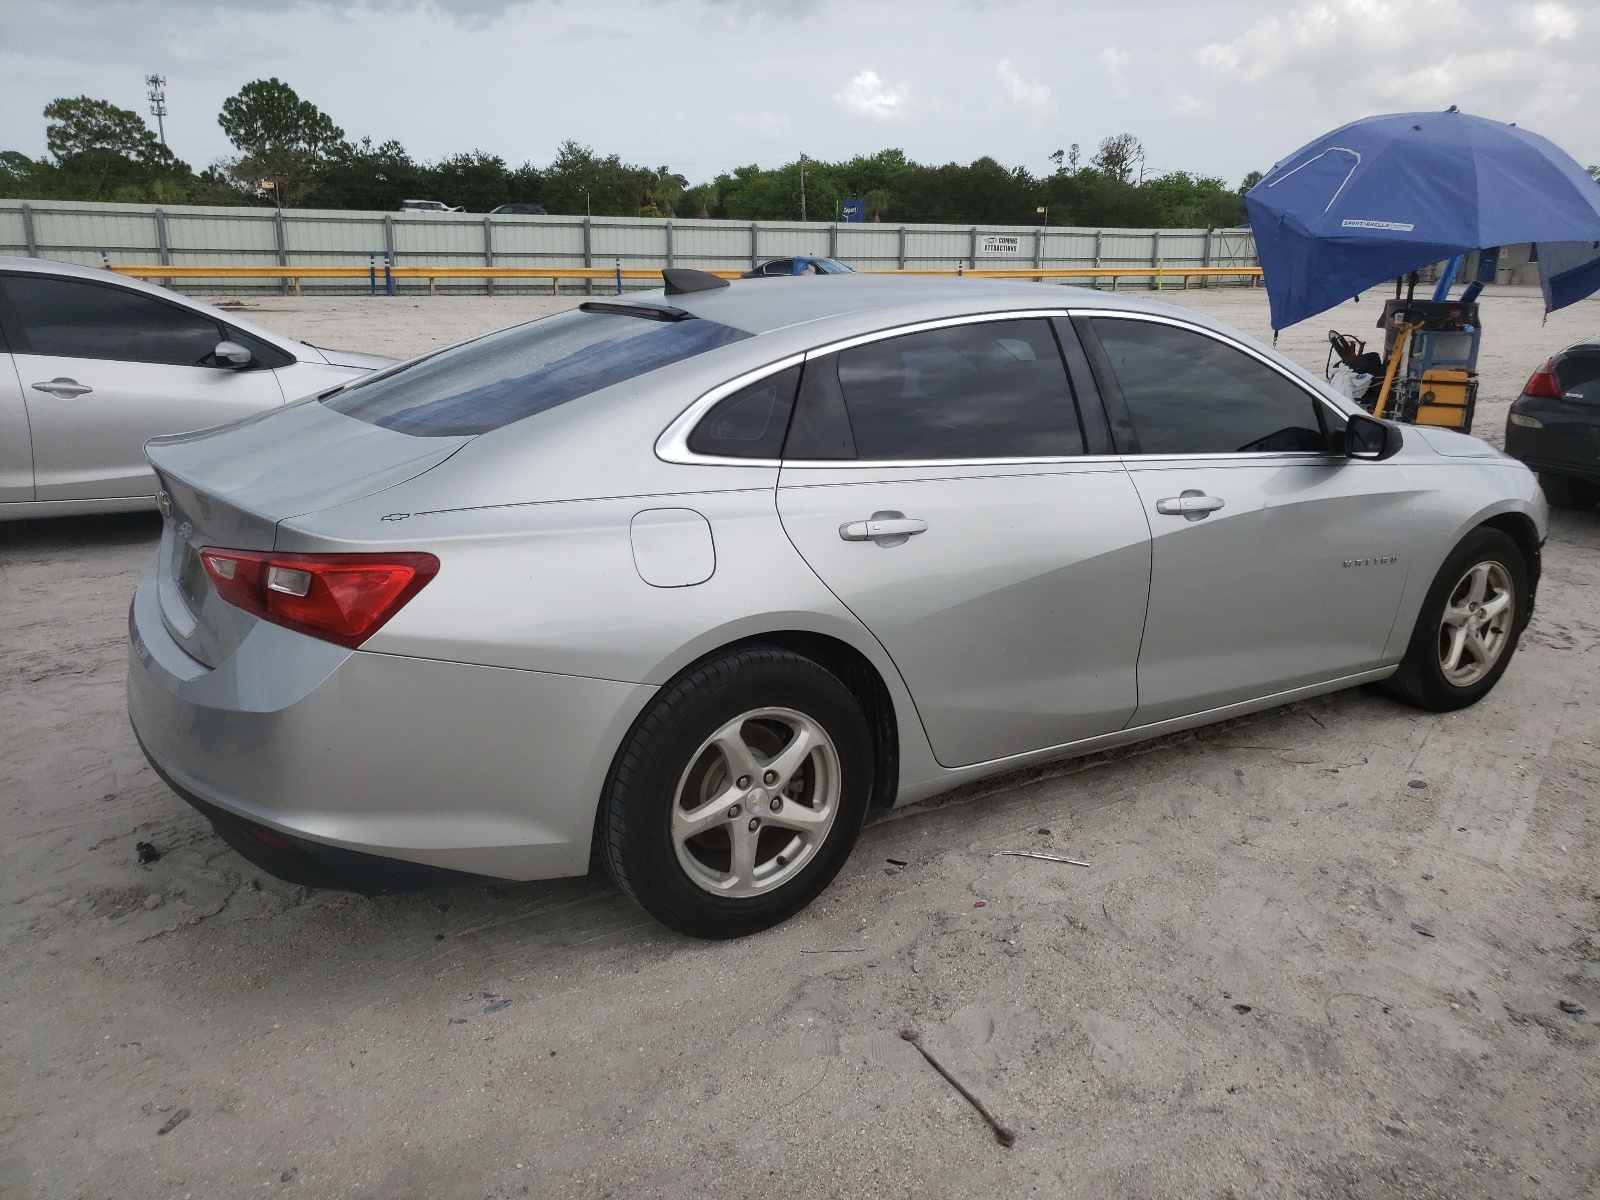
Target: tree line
x=291, y=154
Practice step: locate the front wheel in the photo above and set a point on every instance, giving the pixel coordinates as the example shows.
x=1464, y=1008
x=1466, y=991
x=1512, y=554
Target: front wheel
x=739, y=793
x=1468, y=627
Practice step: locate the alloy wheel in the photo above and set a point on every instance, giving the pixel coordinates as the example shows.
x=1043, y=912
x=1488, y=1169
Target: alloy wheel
x=756, y=802
x=1476, y=625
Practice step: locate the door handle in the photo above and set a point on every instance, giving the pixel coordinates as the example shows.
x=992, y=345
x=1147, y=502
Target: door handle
x=887, y=528
x=1193, y=505
x=63, y=388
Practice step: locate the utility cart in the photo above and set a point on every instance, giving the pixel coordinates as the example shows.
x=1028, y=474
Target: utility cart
x=1431, y=363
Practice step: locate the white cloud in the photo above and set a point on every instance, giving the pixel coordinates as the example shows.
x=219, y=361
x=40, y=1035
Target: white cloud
x=867, y=95
x=763, y=122
x=1184, y=104
x=1023, y=92
x=1112, y=61
x=1362, y=56
x=1546, y=22
x=1271, y=44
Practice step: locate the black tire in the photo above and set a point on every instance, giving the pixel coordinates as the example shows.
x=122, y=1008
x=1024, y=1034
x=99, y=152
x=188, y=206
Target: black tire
x=1565, y=492
x=1421, y=679
x=636, y=811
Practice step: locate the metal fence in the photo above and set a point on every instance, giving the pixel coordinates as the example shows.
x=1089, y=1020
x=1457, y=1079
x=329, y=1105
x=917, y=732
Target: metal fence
x=140, y=234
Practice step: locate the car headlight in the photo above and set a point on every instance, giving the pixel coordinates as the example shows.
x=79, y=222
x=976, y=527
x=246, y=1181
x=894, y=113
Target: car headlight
x=1527, y=422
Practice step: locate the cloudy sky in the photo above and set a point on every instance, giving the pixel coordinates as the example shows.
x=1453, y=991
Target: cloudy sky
x=1218, y=87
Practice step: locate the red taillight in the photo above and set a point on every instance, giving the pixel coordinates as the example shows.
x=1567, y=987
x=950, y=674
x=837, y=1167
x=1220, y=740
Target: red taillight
x=343, y=598
x=1542, y=383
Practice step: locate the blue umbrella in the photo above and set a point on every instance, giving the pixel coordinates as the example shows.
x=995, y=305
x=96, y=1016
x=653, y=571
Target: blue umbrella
x=1568, y=271
x=1387, y=195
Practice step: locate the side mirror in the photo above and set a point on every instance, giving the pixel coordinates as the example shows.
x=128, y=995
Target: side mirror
x=1370, y=438
x=231, y=354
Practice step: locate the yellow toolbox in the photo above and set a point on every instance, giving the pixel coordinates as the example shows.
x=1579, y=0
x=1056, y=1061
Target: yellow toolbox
x=1446, y=398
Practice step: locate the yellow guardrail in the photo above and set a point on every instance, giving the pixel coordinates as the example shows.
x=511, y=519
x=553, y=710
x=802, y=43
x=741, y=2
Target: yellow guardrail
x=433, y=274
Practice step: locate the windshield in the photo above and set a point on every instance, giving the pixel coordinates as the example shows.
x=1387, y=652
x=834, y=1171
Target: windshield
x=495, y=380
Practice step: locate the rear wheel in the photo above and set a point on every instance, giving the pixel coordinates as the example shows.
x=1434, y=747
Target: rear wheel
x=1565, y=492
x=1468, y=627
x=739, y=794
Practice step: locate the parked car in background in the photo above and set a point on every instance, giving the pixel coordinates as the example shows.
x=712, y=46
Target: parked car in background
x=518, y=210
x=428, y=206
x=695, y=580
x=802, y=265
x=96, y=364
x=1554, y=426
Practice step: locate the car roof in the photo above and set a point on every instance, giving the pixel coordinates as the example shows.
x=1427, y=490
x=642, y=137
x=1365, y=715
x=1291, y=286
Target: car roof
x=49, y=266
x=886, y=300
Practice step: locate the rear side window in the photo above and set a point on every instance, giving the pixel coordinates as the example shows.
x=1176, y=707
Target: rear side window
x=991, y=390
x=72, y=318
x=750, y=423
x=1187, y=393
x=495, y=380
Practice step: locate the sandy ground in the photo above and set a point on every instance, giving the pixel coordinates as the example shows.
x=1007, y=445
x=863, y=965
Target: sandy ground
x=1234, y=1000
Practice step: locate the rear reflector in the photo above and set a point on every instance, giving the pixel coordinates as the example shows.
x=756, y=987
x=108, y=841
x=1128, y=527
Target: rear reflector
x=1542, y=383
x=343, y=598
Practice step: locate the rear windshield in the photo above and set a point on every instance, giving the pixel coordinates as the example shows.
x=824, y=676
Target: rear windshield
x=1578, y=375
x=517, y=372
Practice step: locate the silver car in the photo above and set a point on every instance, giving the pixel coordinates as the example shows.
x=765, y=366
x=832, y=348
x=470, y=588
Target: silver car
x=694, y=581
x=94, y=364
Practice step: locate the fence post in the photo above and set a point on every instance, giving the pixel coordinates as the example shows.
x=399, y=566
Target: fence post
x=163, y=251
x=1097, y=234
x=1205, y=261
x=972, y=250
x=902, y=247
x=588, y=256
x=669, y=243
x=28, y=236
x=754, y=230
x=488, y=251
x=1155, y=255
x=281, y=238
x=388, y=252
x=1038, y=246
x=833, y=240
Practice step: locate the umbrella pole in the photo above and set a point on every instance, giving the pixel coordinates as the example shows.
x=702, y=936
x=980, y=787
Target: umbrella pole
x=1402, y=342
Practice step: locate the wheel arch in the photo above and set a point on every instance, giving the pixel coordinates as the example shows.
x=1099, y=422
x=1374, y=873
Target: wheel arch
x=847, y=663
x=858, y=673
x=1519, y=527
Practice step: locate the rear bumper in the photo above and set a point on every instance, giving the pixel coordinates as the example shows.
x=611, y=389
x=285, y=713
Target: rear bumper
x=349, y=756
x=314, y=864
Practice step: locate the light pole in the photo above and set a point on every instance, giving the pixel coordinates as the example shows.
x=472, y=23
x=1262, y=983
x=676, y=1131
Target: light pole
x=1044, y=210
x=158, y=103
x=802, y=187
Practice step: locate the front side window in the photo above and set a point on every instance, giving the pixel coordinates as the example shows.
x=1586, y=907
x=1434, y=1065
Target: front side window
x=1187, y=393
x=991, y=390
x=74, y=318
x=495, y=380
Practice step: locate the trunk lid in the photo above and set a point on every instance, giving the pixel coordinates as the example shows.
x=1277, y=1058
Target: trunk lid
x=231, y=486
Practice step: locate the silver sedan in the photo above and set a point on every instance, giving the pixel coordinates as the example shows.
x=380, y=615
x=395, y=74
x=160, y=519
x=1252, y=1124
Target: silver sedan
x=93, y=365
x=696, y=580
